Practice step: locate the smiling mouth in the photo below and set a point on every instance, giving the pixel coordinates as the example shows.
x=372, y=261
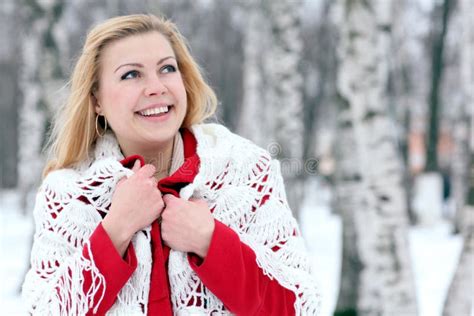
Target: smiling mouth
x=154, y=112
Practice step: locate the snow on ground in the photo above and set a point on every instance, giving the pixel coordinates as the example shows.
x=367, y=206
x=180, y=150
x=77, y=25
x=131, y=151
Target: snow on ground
x=15, y=234
x=322, y=233
x=434, y=252
x=436, y=255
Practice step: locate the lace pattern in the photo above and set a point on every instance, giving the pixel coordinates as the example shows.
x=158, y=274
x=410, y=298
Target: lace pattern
x=244, y=189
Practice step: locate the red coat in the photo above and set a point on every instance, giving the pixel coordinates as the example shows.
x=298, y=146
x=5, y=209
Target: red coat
x=229, y=270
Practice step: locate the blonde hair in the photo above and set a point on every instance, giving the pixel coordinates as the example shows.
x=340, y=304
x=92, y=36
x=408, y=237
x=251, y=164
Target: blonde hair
x=74, y=130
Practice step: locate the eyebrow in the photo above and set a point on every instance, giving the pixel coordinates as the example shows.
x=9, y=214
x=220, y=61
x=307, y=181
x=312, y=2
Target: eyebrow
x=141, y=66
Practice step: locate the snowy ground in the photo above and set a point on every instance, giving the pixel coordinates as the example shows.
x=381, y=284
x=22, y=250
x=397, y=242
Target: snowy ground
x=434, y=252
x=15, y=233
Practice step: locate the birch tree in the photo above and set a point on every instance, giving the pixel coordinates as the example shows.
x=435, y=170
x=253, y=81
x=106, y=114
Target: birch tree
x=376, y=274
x=440, y=27
x=252, y=123
x=273, y=92
x=319, y=76
x=9, y=90
x=460, y=295
x=465, y=70
x=407, y=85
x=40, y=66
x=224, y=58
x=285, y=88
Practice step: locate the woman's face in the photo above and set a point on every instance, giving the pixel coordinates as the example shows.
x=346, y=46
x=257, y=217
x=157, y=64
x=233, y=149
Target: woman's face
x=141, y=92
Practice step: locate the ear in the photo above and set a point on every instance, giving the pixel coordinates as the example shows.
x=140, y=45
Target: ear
x=95, y=102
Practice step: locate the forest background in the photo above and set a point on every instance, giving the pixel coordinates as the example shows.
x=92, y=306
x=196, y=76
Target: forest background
x=368, y=105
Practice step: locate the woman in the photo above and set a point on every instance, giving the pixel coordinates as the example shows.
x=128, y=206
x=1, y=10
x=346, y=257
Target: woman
x=144, y=209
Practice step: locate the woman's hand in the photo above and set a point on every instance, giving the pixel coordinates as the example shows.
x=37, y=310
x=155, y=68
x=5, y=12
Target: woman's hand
x=187, y=225
x=136, y=203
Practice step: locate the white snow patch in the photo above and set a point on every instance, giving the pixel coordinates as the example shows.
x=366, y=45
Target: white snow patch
x=428, y=198
x=322, y=232
x=435, y=255
x=15, y=232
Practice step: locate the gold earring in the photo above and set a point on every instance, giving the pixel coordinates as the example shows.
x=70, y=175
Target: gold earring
x=97, y=125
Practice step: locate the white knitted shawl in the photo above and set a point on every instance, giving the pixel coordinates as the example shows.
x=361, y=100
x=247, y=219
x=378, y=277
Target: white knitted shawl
x=233, y=177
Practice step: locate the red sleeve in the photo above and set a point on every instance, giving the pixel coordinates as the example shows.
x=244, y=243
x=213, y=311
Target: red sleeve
x=231, y=272
x=115, y=269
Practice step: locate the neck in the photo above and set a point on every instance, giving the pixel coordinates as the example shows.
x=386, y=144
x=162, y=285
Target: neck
x=160, y=156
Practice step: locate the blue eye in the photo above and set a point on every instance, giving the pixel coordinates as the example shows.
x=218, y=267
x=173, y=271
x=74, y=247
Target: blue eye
x=130, y=75
x=168, y=69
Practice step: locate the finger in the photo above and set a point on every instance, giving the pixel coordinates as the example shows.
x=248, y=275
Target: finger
x=121, y=180
x=168, y=198
x=198, y=201
x=153, y=182
x=136, y=166
x=147, y=171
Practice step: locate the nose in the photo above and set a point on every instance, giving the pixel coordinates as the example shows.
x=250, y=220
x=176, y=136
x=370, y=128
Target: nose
x=155, y=86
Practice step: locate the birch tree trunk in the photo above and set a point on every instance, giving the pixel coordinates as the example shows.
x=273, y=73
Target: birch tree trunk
x=273, y=87
x=40, y=58
x=459, y=167
x=460, y=295
x=460, y=157
x=376, y=278
x=252, y=123
x=406, y=90
x=440, y=29
x=285, y=93
x=10, y=29
x=319, y=76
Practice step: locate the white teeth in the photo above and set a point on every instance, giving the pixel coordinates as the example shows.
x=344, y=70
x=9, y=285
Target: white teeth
x=154, y=111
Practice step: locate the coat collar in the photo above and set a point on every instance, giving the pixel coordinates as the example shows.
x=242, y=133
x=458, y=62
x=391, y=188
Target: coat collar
x=181, y=177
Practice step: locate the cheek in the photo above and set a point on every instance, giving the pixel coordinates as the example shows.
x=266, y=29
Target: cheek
x=179, y=86
x=118, y=97
x=183, y=94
